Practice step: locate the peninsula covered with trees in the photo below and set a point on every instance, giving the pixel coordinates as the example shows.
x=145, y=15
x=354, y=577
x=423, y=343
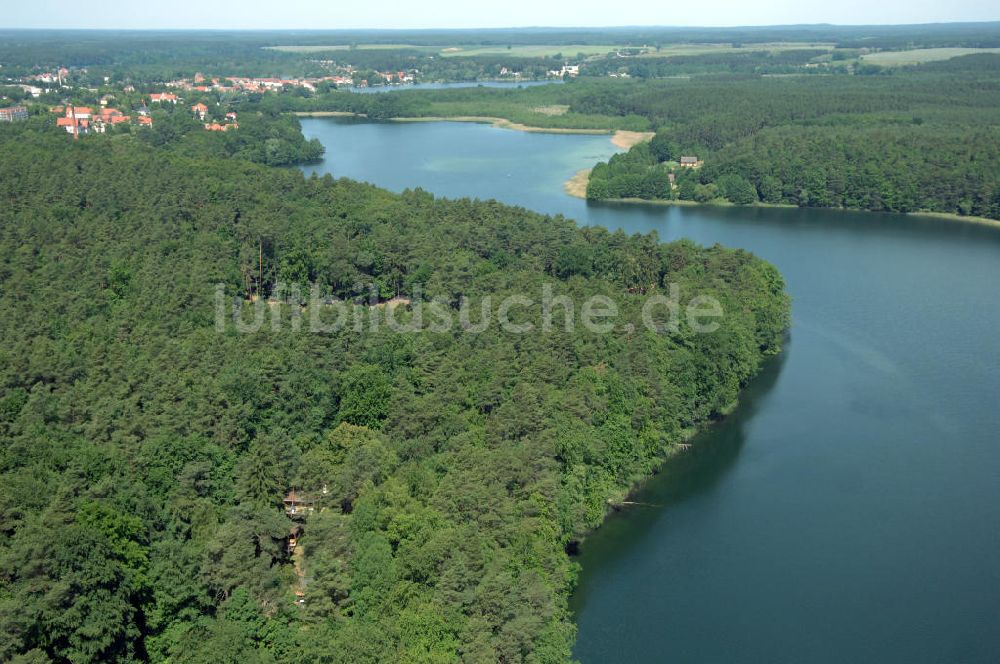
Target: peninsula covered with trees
x=174, y=490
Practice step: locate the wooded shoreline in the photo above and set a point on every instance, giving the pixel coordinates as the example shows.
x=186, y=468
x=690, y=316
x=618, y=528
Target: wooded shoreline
x=576, y=187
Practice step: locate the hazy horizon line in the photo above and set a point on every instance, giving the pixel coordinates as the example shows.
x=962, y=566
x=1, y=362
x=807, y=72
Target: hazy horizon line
x=506, y=28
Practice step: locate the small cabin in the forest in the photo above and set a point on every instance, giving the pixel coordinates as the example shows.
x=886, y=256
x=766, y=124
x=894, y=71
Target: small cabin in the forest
x=690, y=162
x=298, y=504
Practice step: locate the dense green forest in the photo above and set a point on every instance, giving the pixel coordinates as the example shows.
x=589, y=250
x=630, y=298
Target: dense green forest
x=736, y=62
x=925, y=138
x=515, y=104
x=266, y=138
x=145, y=448
x=263, y=137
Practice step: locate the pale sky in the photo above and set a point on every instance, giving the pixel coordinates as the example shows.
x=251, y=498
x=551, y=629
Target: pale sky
x=336, y=14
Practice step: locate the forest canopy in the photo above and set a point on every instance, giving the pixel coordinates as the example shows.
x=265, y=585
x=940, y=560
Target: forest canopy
x=145, y=453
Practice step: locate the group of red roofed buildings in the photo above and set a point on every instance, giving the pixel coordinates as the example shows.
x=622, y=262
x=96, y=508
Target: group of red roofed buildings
x=78, y=120
x=83, y=120
x=163, y=98
x=201, y=110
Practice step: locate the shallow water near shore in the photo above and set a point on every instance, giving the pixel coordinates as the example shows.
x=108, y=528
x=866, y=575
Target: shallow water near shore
x=849, y=509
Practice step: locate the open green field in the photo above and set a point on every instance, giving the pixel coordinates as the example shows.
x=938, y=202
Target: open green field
x=917, y=56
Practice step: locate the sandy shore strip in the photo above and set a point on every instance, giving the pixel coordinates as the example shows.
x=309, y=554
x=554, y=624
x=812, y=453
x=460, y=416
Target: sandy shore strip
x=326, y=114
x=577, y=185
x=503, y=123
x=629, y=139
x=949, y=216
x=481, y=119
x=621, y=138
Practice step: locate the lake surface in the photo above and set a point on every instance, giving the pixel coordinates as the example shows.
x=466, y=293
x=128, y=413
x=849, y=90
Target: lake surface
x=849, y=510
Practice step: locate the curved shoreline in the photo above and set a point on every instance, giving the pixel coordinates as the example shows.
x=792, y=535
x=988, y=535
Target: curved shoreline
x=596, y=571
x=622, y=138
x=327, y=114
x=576, y=186
x=503, y=123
